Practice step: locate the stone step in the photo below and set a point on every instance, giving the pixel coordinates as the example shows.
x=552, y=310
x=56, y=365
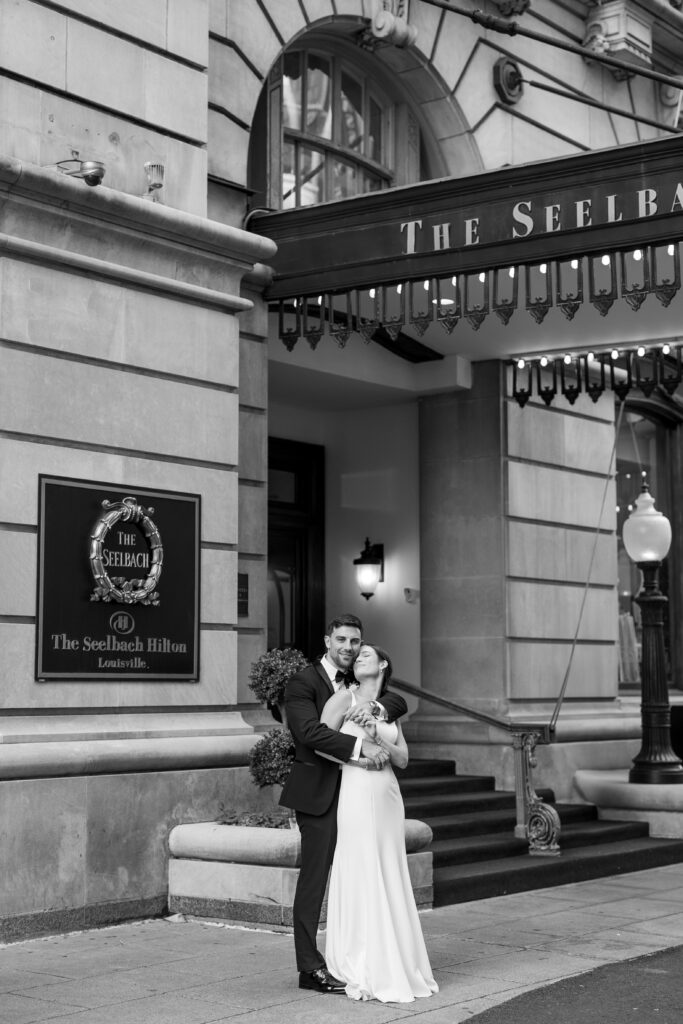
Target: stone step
x=478, y=822
x=426, y=805
x=419, y=767
x=493, y=847
x=459, y=883
x=428, y=785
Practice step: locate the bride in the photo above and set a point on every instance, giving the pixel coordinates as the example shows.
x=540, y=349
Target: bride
x=374, y=939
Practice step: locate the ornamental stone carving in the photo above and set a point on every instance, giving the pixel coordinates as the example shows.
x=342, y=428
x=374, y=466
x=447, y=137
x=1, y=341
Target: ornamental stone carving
x=623, y=30
x=388, y=25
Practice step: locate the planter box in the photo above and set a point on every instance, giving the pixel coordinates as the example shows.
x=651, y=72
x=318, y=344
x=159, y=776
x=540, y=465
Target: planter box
x=248, y=875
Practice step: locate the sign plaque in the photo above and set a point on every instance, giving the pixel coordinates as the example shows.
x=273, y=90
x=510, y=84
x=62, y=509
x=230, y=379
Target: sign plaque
x=118, y=582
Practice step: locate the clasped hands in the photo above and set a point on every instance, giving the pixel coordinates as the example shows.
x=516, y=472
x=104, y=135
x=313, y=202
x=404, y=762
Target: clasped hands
x=372, y=754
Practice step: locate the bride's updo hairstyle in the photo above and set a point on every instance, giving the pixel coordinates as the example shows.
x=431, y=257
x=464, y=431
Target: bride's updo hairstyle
x=383, y=656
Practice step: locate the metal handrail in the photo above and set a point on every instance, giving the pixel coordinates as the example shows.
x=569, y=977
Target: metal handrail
x=537, y=822
x=544, y=729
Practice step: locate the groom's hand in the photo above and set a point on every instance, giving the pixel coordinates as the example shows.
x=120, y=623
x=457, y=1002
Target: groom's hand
x=360, y=713
x=374, y=753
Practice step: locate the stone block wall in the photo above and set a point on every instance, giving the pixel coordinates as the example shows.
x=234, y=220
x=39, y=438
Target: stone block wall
x=125, y=83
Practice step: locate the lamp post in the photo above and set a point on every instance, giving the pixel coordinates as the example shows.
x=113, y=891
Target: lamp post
x=647, y=538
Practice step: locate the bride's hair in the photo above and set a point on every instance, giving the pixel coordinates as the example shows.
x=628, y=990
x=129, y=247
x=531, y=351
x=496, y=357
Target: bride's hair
x=383, y=656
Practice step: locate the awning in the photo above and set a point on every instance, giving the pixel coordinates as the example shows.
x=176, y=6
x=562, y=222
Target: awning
x=545, y=238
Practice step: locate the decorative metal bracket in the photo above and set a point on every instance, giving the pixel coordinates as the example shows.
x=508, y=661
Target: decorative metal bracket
x=570, y=302
x=313, y=327
x=621, y=387
x=546, y=391
x=448, y=314
x=537, y=821
x=670, y=381
x=341, y=324
x=289, y=335
x=636, y=294
x=666, y=289
x=538, y=307
x=504, y=308
x=571, y=391
x=393, y=324
x=367, y=328
x=476, y=314
x=594, y=388
x=520, y=394
x=418, y=320
x=603, y=300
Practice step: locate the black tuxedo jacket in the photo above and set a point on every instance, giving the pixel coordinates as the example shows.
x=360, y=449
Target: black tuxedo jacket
x=312, y=781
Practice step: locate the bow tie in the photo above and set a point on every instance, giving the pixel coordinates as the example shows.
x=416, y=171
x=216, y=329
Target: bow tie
x=340, y=676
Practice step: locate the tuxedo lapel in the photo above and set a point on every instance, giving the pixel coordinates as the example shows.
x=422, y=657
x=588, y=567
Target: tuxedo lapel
x=324, y=676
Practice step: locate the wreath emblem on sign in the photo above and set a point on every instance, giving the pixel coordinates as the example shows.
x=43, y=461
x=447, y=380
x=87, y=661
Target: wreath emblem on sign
x=118, y=588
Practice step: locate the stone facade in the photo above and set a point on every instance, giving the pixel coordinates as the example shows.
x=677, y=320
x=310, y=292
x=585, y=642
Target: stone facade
x=136, y=348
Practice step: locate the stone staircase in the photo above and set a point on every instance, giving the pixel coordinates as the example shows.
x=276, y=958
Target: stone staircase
x=476, y=854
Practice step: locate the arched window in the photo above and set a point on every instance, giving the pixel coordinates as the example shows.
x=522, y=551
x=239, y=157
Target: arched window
x=336, y=131
x=329, y=125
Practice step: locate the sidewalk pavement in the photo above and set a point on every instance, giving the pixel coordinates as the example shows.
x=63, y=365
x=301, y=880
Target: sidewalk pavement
x=484, y=953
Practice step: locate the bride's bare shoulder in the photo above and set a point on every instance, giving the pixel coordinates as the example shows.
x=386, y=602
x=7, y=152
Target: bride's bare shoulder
x=341, y=699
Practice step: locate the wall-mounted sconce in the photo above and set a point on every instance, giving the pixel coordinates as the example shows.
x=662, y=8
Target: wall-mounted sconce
x=369, y=568
x=155, y=180
x=91, y=171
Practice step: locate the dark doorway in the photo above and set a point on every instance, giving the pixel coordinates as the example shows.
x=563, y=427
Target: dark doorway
x=296, y=545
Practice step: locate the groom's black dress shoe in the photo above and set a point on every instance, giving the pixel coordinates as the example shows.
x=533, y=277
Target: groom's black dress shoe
x=321, y=981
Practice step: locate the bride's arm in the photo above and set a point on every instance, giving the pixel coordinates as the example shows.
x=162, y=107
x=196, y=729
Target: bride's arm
x=398, y=751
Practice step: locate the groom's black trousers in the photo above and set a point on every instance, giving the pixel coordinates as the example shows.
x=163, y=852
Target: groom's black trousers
x=318, y=840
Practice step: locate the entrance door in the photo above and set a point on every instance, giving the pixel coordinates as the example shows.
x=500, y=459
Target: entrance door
x=296, y=545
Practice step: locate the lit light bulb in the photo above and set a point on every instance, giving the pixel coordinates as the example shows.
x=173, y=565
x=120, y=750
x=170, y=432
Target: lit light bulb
x=567, y=360
x=399, y=289
x=574, y=264
x=641, y=351
x=520, y=364
x=426, y=286
x=643, y=472
x=371, y=293
x=637, y=255
x=482, y=277
x=511, y=272
x=614, y=353
x=628, y=476
x=605, y=260
x=542, y=268
x=670, y=250
x=454, y=281
x=320, y=300
x=630, y=508
x=666, y=349
x=618, y=509
x=544, y=360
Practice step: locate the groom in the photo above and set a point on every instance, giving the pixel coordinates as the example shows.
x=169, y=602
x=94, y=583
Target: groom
x=312, y=788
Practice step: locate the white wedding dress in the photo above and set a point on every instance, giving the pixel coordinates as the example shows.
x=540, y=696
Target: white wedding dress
x=374, y=938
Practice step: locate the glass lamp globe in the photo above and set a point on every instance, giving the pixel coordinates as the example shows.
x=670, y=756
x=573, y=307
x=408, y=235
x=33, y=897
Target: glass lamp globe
x=367, y=578
x=647, y=532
